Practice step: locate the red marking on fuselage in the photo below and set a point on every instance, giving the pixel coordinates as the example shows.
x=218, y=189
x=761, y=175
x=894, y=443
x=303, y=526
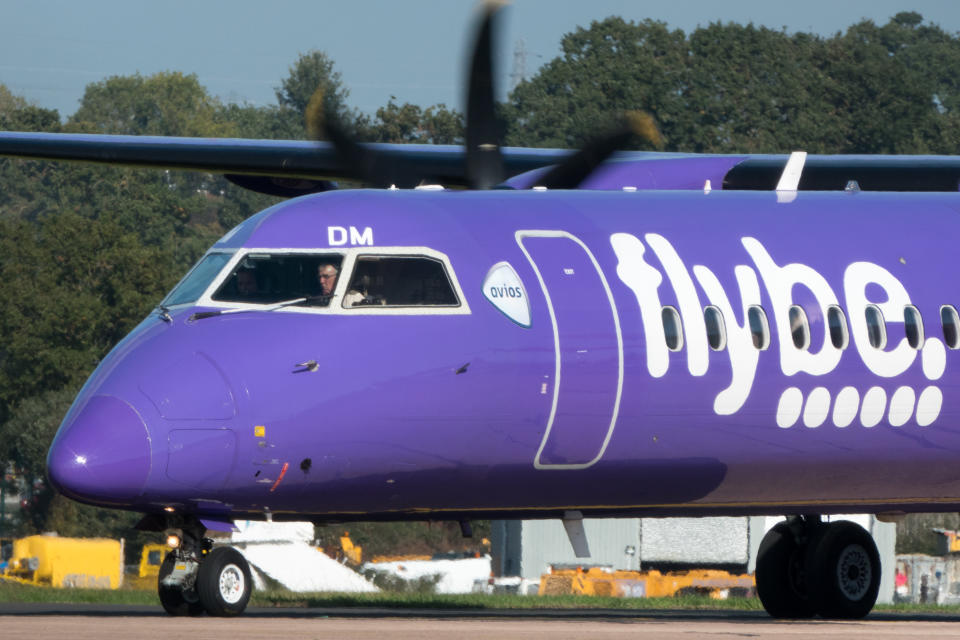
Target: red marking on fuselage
x=283, y=472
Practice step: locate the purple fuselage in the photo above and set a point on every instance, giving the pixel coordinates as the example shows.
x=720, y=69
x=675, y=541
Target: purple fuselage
x=420, y=414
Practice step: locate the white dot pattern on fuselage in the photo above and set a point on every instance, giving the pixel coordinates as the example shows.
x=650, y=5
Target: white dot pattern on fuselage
x=901, y=406
x=788, y=410
x=928, y=406
x=874, y=404
x=817, y=408
x=846, y=406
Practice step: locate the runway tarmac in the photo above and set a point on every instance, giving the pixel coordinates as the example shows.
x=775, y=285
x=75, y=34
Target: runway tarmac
x=38, y=621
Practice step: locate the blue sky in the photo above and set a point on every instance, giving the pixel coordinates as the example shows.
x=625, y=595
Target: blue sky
x=412, y=49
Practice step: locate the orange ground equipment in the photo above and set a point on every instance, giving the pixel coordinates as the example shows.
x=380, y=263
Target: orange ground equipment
x=602, y=581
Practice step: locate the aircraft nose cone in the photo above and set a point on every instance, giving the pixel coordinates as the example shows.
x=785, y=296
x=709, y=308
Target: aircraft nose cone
x=103, y=454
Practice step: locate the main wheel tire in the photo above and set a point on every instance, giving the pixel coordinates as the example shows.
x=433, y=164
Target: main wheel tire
x=843, y=571
x=781, y=584
x=224, y=583
x=175, y=600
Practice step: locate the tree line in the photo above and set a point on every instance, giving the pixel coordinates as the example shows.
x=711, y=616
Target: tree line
x=86, y=251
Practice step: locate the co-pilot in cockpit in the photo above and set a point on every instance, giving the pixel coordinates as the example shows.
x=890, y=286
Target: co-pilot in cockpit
x=399, y=281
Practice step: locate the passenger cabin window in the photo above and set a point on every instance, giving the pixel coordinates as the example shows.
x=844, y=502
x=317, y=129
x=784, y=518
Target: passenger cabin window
x=837, y=324
x=759, y=329
x=716, y=330
x=198, y=279
x=876, y=329
x=672, y=328
x=913, y=326
x=399, y=281
x=799, y=329
x=271, y=278
x=951, y=326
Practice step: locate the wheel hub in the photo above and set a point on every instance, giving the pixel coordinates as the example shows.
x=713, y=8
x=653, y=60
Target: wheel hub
x=231, y=584
x=854, y=572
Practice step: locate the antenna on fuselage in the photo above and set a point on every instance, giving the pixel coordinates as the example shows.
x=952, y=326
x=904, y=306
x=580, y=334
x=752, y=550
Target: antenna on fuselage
x=790, y=178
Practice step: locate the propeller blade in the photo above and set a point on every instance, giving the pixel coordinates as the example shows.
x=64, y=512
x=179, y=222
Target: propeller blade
x=575, y=169
x=484, y=131
x=360, y=162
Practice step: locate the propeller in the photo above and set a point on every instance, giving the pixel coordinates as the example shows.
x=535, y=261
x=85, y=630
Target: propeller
x=570, y=173
x=484, y=132
x=363, y=163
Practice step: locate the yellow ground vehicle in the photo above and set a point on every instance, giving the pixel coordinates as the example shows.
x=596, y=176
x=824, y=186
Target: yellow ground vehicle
x=599, y=581
x=151, y=557
x=92, y=563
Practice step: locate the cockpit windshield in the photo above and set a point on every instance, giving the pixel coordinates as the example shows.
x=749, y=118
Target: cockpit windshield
x=264, y=278
x=197, y=281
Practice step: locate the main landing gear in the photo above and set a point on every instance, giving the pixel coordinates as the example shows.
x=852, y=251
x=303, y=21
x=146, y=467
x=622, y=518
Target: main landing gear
x=196, y=578
x=807, y=567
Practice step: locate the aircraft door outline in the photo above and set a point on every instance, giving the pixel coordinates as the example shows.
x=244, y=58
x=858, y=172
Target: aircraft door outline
x=538, y=462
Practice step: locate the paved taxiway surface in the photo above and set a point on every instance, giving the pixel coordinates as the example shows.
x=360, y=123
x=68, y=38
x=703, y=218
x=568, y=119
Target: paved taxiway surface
x=82, y=622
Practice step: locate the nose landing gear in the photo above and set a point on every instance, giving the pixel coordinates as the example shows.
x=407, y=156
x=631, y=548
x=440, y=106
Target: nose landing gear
x=176, y=585
x=806, y=567
x=196, y=578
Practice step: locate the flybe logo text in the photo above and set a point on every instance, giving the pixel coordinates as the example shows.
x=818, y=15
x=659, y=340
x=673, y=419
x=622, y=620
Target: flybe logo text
x=778, y=281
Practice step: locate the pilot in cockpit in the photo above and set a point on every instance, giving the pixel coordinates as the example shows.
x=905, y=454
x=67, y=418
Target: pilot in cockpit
x=327, y=277
x=361, y=291
x=247, y=286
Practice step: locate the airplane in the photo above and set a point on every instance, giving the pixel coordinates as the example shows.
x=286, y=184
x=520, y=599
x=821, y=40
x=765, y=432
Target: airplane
x=621, y=349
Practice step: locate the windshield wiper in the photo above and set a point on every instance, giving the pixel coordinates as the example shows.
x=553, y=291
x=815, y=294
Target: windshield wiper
x=200, y=315
x=165, y=314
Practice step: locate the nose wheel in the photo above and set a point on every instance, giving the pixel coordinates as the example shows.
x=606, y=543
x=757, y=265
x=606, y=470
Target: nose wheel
x=805, y=567
x=196, y=578
x=224, y=583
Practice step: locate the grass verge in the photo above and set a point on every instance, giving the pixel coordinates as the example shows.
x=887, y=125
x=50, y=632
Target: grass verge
x=14, y=592
x=476, y=601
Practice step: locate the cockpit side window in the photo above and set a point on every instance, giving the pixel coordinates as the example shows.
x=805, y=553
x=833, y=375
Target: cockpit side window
x=264, y=278
x=196, y=282
x=399, y=281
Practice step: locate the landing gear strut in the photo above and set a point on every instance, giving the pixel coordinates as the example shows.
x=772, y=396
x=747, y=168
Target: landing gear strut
x=806, y=567
x=196, y=578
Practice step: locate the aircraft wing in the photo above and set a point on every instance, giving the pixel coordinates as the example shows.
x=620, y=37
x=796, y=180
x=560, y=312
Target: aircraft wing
x=296, y=167
x=257, y=164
